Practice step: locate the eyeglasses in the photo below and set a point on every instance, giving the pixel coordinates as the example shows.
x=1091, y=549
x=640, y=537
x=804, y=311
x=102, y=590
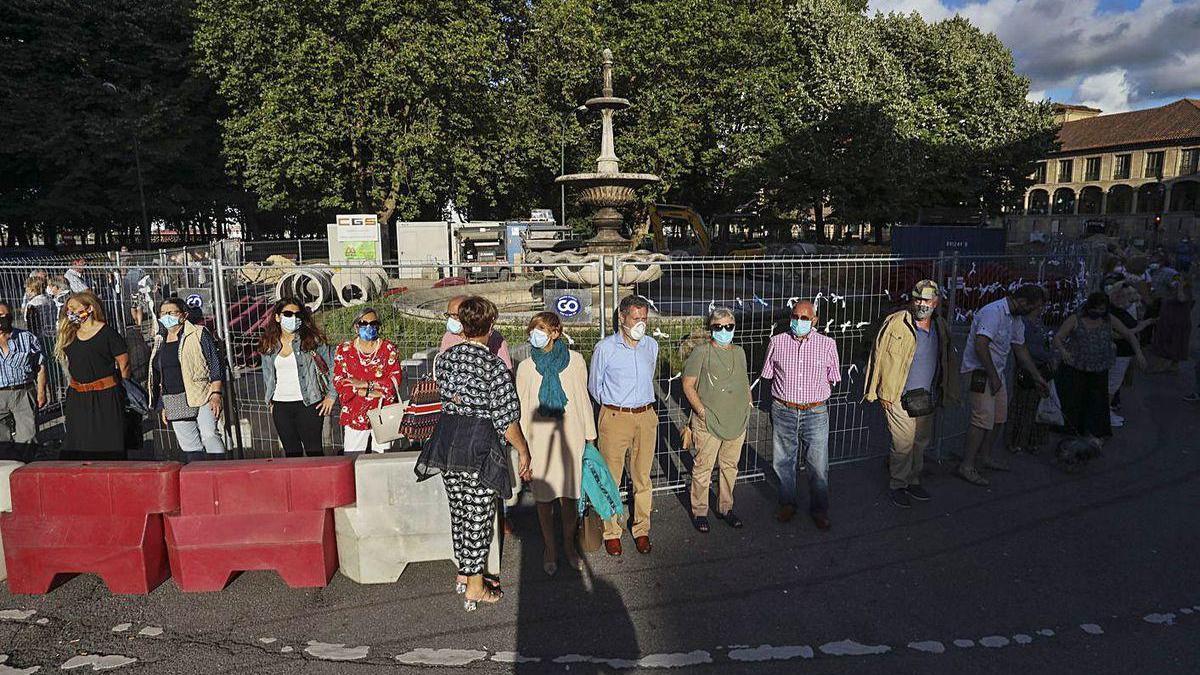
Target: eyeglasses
x=447, y=315
x=289, y=313
x=805, y=318
x=725, y=327
x=376, y=324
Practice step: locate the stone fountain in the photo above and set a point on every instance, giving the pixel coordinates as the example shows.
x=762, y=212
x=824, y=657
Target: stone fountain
x=607, y=190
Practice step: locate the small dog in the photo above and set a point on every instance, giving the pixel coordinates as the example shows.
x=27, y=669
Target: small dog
x=1074, y=452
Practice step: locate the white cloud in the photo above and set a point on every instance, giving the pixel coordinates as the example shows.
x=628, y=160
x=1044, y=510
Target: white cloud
x=1109, y=91
x=1121, y=59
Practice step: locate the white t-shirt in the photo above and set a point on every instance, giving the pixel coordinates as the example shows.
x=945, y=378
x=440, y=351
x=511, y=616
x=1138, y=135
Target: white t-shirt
x=1004, y=328
x=287, y=379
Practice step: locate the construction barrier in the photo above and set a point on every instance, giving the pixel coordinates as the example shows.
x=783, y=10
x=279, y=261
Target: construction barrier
x=394, y=521
x=7, y=466
x=103, y=518
x=268, y=514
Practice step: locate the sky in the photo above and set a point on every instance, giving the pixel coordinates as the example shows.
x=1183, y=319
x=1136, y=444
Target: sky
x=1115, y=55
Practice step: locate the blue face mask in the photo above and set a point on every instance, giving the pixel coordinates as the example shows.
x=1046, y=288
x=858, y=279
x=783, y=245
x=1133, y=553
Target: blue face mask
x=801, y=327
x=291, y=323
x=454, y=325
x=168, y=321
x=722, y=337
x=368, y=333
x=538, y=339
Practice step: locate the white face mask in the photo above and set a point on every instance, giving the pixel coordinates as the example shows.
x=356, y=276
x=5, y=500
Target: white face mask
x=637, y=332
x=538, y=338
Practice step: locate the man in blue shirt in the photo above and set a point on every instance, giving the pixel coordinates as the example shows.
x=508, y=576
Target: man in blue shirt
x=621, y=379
x=22, y=384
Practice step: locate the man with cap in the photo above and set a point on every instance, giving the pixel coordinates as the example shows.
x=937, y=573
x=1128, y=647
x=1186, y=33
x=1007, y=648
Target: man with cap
x=910, y=372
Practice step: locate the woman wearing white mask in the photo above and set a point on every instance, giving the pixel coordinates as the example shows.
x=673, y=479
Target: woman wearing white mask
x=454, y=333
x=557, y=420
x=296, y=360
x=186, y=382
x=717, y=385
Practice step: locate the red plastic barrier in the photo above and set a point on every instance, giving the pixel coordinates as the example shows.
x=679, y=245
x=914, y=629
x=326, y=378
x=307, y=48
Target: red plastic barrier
x=258, y=514
x=103, y=518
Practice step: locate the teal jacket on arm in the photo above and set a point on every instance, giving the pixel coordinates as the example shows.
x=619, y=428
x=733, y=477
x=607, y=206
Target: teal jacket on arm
x=597, y=487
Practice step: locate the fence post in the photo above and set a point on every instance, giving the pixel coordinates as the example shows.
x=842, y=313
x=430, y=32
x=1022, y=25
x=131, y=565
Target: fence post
x=602, y=290
x=232, y=417
x=939, y=428
x=952, y=285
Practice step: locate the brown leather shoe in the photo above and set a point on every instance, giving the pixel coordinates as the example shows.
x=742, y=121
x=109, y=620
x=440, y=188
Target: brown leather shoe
x=821, y=521
x=785, y=513
x=642, y=544
x=613, y=546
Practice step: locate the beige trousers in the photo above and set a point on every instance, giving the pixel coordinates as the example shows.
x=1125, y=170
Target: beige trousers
x=709, y=449
x=910, y=438
x=628, y=438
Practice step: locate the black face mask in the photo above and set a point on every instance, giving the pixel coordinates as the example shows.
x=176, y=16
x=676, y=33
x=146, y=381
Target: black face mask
x=6, y=323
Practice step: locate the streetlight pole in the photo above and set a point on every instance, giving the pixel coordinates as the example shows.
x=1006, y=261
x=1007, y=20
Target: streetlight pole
x=562, y=162
x=137, y=163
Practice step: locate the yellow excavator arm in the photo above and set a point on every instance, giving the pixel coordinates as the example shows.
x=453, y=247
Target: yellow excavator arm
x=684, y=213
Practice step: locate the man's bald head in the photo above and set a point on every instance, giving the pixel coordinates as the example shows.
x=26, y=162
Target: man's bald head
x=804, y=309
x=452, y=305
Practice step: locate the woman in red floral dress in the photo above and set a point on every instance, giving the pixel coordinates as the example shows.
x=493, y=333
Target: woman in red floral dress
x=366, y=374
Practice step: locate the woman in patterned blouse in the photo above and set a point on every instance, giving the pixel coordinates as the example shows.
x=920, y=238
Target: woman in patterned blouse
x=480, y=418
x=366, y=375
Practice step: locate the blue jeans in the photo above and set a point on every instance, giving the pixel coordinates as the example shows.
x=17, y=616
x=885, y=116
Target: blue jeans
x=810, y=428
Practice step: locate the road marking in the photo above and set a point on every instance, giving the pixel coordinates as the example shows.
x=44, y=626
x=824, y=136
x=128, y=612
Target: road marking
x=994, y=641
x=16, y=614
x=964, y=644
x=852, y=648
x=769, y=653
x=441, y=657
x=928, y=646
x=151, y=631
x=10, y=670
x=121, y=627
x=1166, y=619
x=1091, y=629
x=98, y=661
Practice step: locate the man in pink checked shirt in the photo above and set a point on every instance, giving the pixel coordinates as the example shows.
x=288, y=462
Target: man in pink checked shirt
x=803, y=366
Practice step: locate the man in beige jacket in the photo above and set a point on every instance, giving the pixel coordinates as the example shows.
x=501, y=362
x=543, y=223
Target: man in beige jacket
x=912, y=371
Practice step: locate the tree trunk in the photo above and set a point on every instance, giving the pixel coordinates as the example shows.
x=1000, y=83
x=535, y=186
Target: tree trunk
x=877, y=231
x=819, y=218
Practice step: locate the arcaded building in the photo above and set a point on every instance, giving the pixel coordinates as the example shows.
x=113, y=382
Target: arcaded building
x=1133, y=174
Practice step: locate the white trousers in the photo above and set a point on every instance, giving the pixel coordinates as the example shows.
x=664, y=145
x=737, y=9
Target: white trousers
x=1116, y=374
x=355, y=440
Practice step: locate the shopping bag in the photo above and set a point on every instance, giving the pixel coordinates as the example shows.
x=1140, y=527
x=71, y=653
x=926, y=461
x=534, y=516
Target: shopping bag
x=1049, y=410
x=591, y=532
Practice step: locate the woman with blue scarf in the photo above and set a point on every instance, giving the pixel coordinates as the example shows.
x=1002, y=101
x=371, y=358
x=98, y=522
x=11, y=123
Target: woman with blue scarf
x=557, y=420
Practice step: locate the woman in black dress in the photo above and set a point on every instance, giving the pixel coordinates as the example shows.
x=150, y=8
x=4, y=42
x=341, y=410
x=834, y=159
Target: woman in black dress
x=96, y=359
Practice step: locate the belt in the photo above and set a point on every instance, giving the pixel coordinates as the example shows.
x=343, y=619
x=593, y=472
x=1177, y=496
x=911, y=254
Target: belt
x=95, y=385
x=640, y=408
x=800, y=406
x=14, y=387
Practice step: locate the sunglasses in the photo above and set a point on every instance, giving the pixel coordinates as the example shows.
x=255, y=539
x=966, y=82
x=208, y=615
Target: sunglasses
x=376, y=324
x=727, y=327
x=289, y=313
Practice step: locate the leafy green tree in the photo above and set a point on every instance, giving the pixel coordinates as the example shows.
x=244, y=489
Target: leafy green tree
x=81, y=83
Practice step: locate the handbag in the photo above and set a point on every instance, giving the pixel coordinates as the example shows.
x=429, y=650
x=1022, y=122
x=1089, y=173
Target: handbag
x=385, y=422
x=591, y=532
x=917, y=402
x=424, y=410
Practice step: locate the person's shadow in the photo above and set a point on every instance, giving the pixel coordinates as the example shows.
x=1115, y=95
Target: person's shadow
x=573, y=617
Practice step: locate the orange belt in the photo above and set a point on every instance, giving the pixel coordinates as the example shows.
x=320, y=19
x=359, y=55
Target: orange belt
x=640, y=408
x=800, y=406
x=95, y=385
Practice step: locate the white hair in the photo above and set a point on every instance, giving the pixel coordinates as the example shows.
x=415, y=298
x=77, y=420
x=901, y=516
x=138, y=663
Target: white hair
x=720, y=313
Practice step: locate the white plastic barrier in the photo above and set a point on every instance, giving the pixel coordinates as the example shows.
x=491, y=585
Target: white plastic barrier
x=395, y=521
x=6, y=469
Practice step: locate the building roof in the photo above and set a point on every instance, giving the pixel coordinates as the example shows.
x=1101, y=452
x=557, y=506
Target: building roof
x=1176, y=121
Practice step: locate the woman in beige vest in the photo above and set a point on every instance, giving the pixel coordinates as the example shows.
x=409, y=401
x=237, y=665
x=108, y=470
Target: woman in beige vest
x=557, y=420
x=186, y=382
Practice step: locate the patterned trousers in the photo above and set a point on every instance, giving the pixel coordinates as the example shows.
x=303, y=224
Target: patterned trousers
x=472, y=516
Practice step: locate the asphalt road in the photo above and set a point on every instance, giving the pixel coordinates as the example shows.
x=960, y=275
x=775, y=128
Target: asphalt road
x=1043, y=572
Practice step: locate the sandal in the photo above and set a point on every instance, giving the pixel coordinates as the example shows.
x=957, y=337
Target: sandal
x=730, y=519
x=701, y=524
x=490, y=597
x=972, y=476
x=460, y=584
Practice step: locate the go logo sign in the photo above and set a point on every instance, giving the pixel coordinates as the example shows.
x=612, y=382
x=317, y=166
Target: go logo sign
x=194, y=301
x=568, y=306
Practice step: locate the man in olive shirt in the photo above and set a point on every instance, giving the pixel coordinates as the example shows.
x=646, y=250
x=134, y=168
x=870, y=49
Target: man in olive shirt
x=717, y=386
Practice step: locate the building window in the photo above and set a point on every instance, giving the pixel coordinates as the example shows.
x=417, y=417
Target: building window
x=1064, y=170
x=1039, y=172
x=1121, y=166
x=1154, y=164
x=1091, y=170
x=1189, y=162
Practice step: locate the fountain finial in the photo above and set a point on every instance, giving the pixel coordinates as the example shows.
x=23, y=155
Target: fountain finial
x=606, y=71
